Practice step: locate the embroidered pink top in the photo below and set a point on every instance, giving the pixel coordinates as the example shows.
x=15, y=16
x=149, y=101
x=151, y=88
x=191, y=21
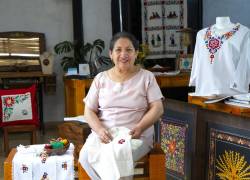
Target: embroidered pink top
x=124, y=104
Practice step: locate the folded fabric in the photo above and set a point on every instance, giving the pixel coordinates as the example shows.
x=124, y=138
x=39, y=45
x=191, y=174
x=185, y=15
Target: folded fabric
x=113, y=160
x=242, y=97
x=44, y=169
x=136, y=143
x=22, y=170
x=35, y=149
x=31, y=162
x=65, y=166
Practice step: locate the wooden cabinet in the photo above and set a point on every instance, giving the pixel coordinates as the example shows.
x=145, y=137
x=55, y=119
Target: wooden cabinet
x=76, y=89
x=221, y=107
x=196, y=136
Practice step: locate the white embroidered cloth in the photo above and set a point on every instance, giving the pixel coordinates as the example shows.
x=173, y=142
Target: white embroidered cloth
x=113, y=160
x=28, y=163
x=229, y=74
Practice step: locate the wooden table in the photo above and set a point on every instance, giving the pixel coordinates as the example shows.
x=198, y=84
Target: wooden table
x=76, y=89
x=219, y=106
x=8, y=165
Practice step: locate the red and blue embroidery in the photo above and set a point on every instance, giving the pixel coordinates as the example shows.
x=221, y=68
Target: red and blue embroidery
x=214, y=42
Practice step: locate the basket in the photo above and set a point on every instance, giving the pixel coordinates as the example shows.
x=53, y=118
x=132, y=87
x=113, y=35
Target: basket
x=59, y=151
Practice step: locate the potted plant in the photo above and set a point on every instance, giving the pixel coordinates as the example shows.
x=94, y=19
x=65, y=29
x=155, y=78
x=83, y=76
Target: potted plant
x=142, y=54
x=75, y=53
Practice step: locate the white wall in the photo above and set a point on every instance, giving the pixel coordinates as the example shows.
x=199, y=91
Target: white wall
x=97, y=21
x=54, y=18
x=237, y=11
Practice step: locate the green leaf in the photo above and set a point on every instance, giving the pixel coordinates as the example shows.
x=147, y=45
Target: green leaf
x=64, y=47
x=99, y=42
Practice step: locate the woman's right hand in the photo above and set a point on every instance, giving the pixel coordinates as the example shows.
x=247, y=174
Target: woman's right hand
x=104, y=135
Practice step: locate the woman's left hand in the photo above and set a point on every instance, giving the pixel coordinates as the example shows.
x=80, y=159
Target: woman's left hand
x=136, y=132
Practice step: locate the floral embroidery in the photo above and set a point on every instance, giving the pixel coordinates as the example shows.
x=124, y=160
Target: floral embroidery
x=45, y=176
x=43, y=156
x=214, y=43
x=24, y=168
x=64, y=165
x=173, y=143
x=10, y=101
x=121, y=141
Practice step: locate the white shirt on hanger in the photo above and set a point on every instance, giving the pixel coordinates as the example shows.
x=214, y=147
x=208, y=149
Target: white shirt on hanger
x=226, y=69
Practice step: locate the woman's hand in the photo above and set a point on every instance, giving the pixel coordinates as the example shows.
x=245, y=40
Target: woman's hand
x=104, y=135
x=136, y=132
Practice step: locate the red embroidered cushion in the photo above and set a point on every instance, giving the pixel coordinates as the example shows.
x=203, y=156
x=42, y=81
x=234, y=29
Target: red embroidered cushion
x=18, y=106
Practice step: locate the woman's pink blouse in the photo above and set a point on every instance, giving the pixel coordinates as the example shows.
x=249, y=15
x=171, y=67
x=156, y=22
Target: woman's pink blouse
x=124, y=104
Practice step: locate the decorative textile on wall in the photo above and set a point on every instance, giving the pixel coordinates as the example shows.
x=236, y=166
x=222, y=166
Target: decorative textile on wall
x=160, y=21
x=173, y=143
x=229, y=154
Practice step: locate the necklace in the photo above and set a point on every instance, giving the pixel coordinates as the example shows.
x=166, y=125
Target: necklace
x=214, y=42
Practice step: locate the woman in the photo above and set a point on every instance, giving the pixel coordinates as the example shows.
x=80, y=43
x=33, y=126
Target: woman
x=124, y=96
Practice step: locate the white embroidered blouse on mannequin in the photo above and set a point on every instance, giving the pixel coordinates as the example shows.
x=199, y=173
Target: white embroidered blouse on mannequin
x=221, y=63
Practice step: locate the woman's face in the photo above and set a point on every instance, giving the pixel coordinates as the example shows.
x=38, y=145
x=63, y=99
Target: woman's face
x=123, y=54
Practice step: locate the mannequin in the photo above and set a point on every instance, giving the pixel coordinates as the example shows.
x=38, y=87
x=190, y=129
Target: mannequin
x=223, y=25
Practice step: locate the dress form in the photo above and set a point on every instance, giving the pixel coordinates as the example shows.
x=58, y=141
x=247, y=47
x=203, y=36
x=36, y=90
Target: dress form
x=223, y=25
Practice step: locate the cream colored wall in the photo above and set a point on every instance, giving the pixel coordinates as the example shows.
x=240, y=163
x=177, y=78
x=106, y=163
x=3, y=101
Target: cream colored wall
x=54, y=18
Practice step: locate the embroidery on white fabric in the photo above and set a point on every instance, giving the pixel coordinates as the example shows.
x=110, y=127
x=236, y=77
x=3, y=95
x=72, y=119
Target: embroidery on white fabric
x=214, y=42
x=16, y=107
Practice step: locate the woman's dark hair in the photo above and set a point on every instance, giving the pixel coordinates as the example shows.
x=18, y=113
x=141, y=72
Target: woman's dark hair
x=124, y=34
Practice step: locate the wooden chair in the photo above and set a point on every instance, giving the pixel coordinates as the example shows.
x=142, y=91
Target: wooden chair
x=19, y=70
x=18, y=129
x=153, y=165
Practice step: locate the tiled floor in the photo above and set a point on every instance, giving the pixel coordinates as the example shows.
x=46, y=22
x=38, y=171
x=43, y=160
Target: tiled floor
x=16, y=139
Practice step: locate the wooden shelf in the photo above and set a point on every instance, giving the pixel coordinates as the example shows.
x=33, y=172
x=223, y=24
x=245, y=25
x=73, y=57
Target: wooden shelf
x=23, y=74
x=219, y=106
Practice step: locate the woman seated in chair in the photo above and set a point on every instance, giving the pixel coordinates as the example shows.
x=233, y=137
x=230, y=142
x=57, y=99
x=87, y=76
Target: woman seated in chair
x=124, y=96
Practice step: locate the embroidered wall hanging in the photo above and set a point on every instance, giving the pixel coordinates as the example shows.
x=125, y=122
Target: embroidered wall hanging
x=160, y=21
x=18, y=106
x=229, y=154
x=173, y=143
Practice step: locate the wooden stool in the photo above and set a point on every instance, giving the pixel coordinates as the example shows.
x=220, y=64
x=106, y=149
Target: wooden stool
x=154, y=170
x=18, y=129
x=8, y=165
x=76, y=133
